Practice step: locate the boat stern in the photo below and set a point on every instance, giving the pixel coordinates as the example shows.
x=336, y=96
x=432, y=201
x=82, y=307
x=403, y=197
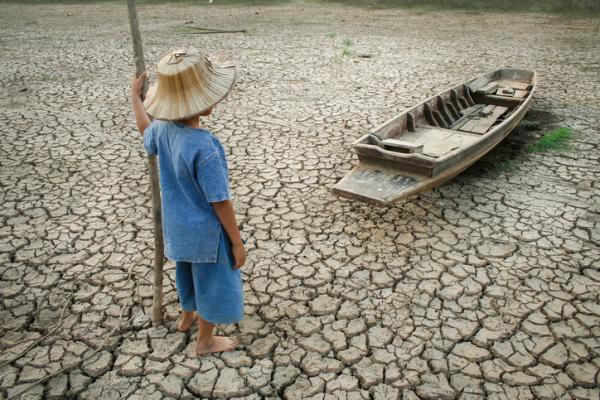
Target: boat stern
x=376, y=185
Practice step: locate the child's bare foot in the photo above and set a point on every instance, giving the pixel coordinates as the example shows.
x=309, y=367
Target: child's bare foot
x=215, y=344
x=186, y=319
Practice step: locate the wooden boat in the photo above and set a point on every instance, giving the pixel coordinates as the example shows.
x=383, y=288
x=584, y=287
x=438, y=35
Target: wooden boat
x=436, y=140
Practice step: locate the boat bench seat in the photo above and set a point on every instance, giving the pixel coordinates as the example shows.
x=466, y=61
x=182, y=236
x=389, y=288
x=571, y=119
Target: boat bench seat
x=402, y=146
x=436, y=142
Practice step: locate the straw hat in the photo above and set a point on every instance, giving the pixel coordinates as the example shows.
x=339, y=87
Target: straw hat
x=189, y=83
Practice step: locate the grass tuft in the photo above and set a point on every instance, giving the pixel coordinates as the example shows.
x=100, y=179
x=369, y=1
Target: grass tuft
x=505, y=166
x=552, y=141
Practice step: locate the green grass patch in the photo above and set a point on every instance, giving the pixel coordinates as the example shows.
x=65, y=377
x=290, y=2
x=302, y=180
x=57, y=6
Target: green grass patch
x=552, y=141
x=504, y=166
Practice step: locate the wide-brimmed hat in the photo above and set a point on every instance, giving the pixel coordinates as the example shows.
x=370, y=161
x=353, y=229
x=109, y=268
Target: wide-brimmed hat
x=189, y=83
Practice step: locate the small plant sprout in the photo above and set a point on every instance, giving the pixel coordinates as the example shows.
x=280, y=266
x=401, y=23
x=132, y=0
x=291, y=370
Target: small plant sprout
x=505, y=166
x=331, y=35
x=552, y=141
x=347, y=49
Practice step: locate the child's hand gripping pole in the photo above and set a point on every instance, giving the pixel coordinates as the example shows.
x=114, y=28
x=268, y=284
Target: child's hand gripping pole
x=142, y=120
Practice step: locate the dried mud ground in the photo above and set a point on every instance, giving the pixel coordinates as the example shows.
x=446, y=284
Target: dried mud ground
x=487, y=287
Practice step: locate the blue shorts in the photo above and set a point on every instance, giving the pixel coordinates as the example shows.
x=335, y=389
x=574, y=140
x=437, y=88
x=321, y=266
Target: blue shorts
x=214, y=290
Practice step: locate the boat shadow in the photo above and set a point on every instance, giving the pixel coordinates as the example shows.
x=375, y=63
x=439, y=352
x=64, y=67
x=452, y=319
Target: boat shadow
x=506, y=155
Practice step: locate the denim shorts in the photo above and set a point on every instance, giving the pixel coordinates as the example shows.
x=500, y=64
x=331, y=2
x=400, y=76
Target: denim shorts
x=214, y=290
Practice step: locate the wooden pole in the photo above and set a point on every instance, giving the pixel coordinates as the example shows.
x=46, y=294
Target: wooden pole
x=140, y=66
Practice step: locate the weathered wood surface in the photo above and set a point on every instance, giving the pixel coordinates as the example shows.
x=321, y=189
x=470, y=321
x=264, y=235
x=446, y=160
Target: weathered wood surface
x=438, y=142
x=374, y=184
x=513, y=84
x=489, y=88
x=505, y=91
x=402, y=145
x=465, y=115
x=481, y=124
x=519, y=94
x=157, y=298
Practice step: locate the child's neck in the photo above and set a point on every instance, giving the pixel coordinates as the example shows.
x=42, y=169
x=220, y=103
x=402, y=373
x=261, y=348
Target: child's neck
x=193, y=122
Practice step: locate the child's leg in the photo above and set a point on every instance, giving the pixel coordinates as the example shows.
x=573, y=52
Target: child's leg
x=207, y=343
x=219, y=299
x=184, y=281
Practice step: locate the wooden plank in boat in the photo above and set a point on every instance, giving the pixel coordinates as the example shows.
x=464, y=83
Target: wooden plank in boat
x=402, y=146
x=505, y=91
x=483, y=124
x=513, y=84
x=478, y=83
x=470, y=110
x=473, y=123
x=437, y=142
x=489, y=88
x=451, y=143
x=519, y=94
x=436, y=150
x=465, y=115
x=425, y=135
x=451, y=131
x=503, y=101
x=460, y=123
x=470, y=120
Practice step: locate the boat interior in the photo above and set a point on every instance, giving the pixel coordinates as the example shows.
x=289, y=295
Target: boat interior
x=450, y=121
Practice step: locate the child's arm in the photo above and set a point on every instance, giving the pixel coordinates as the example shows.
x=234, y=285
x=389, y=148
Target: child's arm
x=226, y=214
x=141, y=117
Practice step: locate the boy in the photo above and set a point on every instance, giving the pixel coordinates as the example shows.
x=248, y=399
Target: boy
x=199, y=226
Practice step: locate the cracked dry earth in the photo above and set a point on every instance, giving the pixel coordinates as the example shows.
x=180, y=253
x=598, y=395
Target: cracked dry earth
x=487, y=287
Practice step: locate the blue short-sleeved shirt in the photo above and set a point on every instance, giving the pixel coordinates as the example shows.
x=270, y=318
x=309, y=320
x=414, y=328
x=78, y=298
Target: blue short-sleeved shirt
x=193, y=174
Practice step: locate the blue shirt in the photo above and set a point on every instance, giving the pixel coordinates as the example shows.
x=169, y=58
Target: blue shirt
x=193, y=174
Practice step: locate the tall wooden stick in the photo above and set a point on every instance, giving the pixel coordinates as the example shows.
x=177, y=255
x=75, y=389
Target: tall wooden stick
x=140, y=66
